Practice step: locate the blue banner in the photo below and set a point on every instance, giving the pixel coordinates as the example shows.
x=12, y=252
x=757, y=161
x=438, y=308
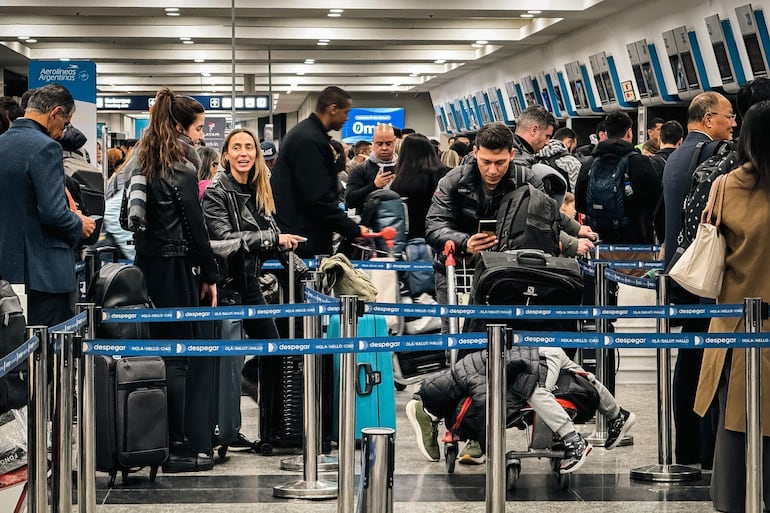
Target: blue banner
x=632, y=281
x=71, y=325
x=203, y=313
x=79, y=77
x=12, y=360
x=362, y=122
x=628, y=248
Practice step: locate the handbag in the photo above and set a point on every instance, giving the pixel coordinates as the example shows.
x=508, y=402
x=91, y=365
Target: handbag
x=701, y=267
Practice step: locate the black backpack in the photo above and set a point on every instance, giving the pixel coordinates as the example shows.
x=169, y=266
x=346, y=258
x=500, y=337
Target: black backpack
x=13, y=386
x=606, y=193
x=576, y=388
x=528, y=219
x=121, y=286
x=724, y=159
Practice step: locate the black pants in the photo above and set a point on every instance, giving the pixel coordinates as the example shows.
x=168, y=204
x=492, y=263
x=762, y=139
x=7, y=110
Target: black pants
x=48, y=308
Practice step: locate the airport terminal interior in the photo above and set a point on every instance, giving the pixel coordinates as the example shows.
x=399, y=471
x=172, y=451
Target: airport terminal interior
x=442, y=68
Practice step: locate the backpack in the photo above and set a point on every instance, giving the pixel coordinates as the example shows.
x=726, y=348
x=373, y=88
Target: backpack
x=13, y=386
x=121, y=286
x=418, y=282
x=528, y=219
x=724, y=159
x=606, y=192
x=575, y=387
x=383, y=208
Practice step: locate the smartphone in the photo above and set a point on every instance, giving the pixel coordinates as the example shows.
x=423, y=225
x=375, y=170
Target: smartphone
x=388, y=169
x=488, y=226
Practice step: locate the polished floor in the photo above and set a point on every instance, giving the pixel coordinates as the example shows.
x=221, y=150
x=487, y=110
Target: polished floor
x=244, y=482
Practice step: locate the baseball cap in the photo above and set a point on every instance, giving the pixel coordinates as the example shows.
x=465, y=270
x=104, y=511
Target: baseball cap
x=269, y=151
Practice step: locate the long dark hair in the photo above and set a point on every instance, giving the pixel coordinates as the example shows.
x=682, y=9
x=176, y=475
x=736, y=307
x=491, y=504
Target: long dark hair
x=418, y=168
x=753, y=154
x=160, y=148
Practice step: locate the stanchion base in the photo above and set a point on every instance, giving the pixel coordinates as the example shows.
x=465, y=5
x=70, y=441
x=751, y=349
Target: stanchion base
x=307, y=490
x=326, y=463
x=665, y=473
x=599, y=439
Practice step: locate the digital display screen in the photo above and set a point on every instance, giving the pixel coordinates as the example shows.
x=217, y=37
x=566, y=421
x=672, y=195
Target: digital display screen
x=531, y=99
x=601, y=89
x=608, y=86
x=679, y=76
x=640, y=83
x=559, y=98
x=723, y=63
x=755, y=55
x=649, y=76
x=689, y=70
x=581, y=92
x=546, y=99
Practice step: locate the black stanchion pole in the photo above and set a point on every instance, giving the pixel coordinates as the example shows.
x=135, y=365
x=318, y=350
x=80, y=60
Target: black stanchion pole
x=753, y=324
x=664, y=471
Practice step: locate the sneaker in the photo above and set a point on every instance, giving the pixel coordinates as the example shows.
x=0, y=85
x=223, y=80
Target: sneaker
x=425, y=429
x=576, y=449
x=472, y=454
x=618, y=427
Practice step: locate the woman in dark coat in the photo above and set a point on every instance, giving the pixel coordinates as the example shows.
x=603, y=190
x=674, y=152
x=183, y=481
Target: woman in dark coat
x=173, y=250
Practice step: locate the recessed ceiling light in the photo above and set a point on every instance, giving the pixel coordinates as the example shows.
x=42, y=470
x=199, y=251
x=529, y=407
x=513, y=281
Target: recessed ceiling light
x=31, y=41
x=188, y=42
x=527, y=15
x=184, y=38
x=309, y=61
x=481, y=42
x=200, y=60
x=414, y=74
x=334, y=15
x=173, y=14
x=23, y=37
x=64, y=59
x=396, y=84
x=171, y=9
x=534, y=12
x=321, y=43
x=439, y=61
x=323, y=40
x=205, y=73
x=300, y=73
x=337, y=11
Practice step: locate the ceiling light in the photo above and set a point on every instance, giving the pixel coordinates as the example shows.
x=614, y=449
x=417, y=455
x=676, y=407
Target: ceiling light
x=64, y=59
x=31, y=41
x=188, y=42
x=534, y=12
x=439, y=61
x=476, y=45
x=23, y=37
x=309, y=61
x=414, y=74
x=300, y=73
x=200, y=60
x=334, y=15
x=481, y=42
x=323, y=40
x=527, y=15
x=337, y=11
x=321, y=43
x=276, y=95
x=205, y=73
x=171, y=9
x=184, y=38
x=173, y=14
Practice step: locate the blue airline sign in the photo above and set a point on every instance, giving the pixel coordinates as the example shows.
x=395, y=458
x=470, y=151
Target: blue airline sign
x=362, y=122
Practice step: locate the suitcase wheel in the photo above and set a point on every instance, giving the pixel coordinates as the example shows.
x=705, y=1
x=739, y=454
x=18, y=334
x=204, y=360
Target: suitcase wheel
x=450, y=454
x=124, y=475
x=400, y=386
x=264, y=448
x=111, y=482
x=153, y=473
x=222, y=452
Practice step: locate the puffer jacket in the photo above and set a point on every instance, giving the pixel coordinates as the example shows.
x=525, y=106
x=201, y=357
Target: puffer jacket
x=228, y=218
x=442, y=394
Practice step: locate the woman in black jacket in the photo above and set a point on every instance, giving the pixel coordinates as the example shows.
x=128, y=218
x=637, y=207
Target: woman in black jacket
x=173, y=250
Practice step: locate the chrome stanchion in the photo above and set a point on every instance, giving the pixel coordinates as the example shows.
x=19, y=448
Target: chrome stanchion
x=325, y=462
x=664, y=471
x=292, y=293
x=37, y=423
x=378, y=462
x=752, y=322
x=309, y=487
x=601, y=295
x=451, y=295
x=496, y=379
x=347, y=412
x=86, y=421
x=61, y=481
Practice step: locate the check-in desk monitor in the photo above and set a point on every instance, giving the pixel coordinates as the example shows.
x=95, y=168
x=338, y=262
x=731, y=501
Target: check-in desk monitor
x=747, y=22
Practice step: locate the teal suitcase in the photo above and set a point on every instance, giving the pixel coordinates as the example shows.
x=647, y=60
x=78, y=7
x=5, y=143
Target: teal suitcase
x=375, y=388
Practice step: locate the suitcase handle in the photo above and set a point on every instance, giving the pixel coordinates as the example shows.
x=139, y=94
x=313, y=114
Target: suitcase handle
x=371, y=378
x=531, y=257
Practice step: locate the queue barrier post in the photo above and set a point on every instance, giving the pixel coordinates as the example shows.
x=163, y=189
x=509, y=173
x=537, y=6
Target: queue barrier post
x=347, y=413
x=496, y=387
x=310, y=487
x=378, y=462
x=37, y=423
x=61, y=480
x=86, y=484
x=753, y=308
x=664, y=471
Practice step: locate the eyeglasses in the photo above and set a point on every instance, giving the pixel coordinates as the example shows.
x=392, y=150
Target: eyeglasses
x=731, y=117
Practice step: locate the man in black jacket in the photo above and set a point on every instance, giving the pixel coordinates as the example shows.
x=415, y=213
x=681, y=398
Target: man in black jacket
x=376, y=172
x=304, y=179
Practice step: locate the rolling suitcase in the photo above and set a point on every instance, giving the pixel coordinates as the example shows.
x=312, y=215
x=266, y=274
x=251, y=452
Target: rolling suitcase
x=375, y=390
x=131, y=414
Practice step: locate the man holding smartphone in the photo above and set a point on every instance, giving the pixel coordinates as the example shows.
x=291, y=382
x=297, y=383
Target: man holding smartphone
x=376, y=172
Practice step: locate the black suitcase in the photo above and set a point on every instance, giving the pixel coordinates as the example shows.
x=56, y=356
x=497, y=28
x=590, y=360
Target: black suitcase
x=280, y=399
x=131, y=414
x=525, y=277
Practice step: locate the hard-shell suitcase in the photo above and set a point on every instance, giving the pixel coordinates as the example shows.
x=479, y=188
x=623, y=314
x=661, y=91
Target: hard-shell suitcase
x=375, y=390
x=131, y=414
x=526, y=277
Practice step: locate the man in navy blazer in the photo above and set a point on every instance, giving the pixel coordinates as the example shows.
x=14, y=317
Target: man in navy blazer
x=38, y=231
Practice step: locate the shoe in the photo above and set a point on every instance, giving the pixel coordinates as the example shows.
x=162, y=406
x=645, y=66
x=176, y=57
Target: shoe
x=187, y=461
x=472, y=454
x=242, y=443
x=618, y=427
x=576, y=450
x=425, y=429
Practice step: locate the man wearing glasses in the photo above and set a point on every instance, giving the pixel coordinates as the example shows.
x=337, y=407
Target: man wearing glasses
x=37, y=229
x=710, y=120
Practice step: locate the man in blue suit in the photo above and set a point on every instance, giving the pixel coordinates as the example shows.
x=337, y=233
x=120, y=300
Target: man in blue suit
x=38, y=231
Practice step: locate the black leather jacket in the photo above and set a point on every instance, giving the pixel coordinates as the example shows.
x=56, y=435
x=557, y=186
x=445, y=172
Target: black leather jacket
x=174, y=233
x=228, y=217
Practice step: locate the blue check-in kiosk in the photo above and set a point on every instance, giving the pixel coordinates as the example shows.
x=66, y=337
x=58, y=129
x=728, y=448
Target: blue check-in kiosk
x=530, y=92
x=680, y=58
x=727, y=60
x=581, y=90
x=515, y=99
x=754, y=34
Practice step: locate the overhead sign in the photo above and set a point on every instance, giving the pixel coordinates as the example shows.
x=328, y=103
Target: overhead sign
x=214, y=132
x=144, y=103
x=362, y=122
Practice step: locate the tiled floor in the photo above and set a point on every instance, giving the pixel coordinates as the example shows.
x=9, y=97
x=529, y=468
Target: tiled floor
x=244, y=482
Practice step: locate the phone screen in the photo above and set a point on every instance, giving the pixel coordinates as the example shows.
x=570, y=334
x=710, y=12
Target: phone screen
x=488, y=226
x=388, y=169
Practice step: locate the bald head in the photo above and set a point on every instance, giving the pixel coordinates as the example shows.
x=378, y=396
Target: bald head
x=711, y=113
x=384, y=142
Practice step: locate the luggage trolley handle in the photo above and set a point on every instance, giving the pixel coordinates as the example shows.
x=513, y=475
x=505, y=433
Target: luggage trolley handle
x=451, y=281
x=371, y=378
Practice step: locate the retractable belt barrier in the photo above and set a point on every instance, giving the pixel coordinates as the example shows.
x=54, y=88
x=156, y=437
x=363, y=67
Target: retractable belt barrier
x=14, y=359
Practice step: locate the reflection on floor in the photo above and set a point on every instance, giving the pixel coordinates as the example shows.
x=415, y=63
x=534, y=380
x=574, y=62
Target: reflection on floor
x=601, y=485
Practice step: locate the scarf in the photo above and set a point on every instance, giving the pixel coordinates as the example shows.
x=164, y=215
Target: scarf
x=382, y=163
